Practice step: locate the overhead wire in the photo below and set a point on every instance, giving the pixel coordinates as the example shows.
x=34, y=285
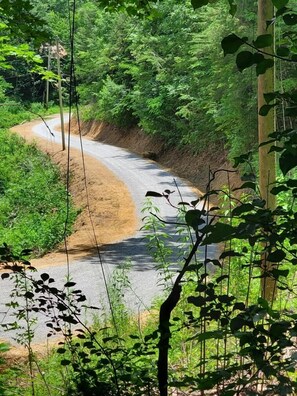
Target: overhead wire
x=73, y=102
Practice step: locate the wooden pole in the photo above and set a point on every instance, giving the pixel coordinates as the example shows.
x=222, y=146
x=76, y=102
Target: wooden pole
x=266, y=125
x=60, y=96
x=47, y=81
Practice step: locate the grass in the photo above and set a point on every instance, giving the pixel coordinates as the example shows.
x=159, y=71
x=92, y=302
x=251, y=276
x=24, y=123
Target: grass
x=33, y=199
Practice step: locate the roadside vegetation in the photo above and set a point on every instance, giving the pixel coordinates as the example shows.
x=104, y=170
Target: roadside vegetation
x=225, y=325
x=33, y=198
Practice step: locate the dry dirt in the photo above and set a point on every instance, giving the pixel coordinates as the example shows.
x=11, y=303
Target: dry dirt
x=181, y=161
x=111, y=207
x=111, y=210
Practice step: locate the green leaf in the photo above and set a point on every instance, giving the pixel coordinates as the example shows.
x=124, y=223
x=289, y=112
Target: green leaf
x=270, y=96
x=278, y=272
x=280, y=3
x=274, y=148
x=193, y=218
x=44, y=276
x=290, y=19
x=65, y=362
x=232, y=43
x=288, y=161
x=242, y=209
x=230, y=253
x=278, y=189
x=245, y=185
x=69, y=284
x=236, y=323
x=264, y=65
x=153, y=194
x=283, y=51
x=221, y=278
x=219, y=232
x=260, y=203
x=208, y=335
x=262, y=41
x=276, y=256
x=244, y=60
x=233, y=7
x=264, y=110
x=198, y=301
x=199, y=3
x=29, y=295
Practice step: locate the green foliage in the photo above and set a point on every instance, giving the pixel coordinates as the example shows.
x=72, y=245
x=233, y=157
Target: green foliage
x=167, y=74
x=33, y=199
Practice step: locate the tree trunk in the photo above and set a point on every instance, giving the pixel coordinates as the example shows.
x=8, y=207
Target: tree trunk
x=266, y=125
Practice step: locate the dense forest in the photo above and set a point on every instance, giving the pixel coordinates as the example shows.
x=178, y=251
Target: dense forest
x=189, y=73
x=165, y=73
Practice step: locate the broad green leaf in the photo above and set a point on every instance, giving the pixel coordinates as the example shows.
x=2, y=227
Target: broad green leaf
x=288, y=161
x=242, y=209
x=219, y=232
x=280, y=3
x=262, y=41
x=263, y=66
x=278, y=189
x=232, y=43
x=244, y=60
x=233, y=7
x=248, y=184
x=264, y=110
x=276, y=256
x=193, y=218
x=208, y=335
x=153, y=194
x=269, y=97
x=278, y=272
x=198, y=301
x=236, y=324
x=230, y=253
x=290, y=19
x=291, y=183
x=199, y=3
x=283, y=51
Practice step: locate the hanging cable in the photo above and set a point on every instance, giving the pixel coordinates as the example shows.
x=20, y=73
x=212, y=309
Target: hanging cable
x=73, y=102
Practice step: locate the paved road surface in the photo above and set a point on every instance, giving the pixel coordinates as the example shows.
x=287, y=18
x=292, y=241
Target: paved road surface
x=140, y=176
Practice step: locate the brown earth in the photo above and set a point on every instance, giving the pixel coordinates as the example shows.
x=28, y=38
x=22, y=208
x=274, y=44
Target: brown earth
x=197, y=169
x=107, y=210
x=111, y=207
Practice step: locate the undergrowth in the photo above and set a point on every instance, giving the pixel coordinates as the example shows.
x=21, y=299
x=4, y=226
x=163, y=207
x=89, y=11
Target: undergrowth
x=33, y=199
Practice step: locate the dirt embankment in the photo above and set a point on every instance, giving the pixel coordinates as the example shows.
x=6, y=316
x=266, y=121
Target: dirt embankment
x=107, y=212
x=182, y=162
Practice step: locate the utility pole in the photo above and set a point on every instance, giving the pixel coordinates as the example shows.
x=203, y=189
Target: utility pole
x=60, y=95
x=266, y=125
x=47, y=81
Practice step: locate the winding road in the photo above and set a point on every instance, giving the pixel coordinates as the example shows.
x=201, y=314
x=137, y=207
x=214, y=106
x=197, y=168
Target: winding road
x=139, y=175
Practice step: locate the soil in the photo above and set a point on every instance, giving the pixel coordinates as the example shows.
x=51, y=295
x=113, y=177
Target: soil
x=196, y=168
x=111, y=212
x=111, y=207
x=107, y=212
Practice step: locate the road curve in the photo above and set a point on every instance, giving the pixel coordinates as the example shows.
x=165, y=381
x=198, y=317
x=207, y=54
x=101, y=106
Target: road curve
x=139, y=175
